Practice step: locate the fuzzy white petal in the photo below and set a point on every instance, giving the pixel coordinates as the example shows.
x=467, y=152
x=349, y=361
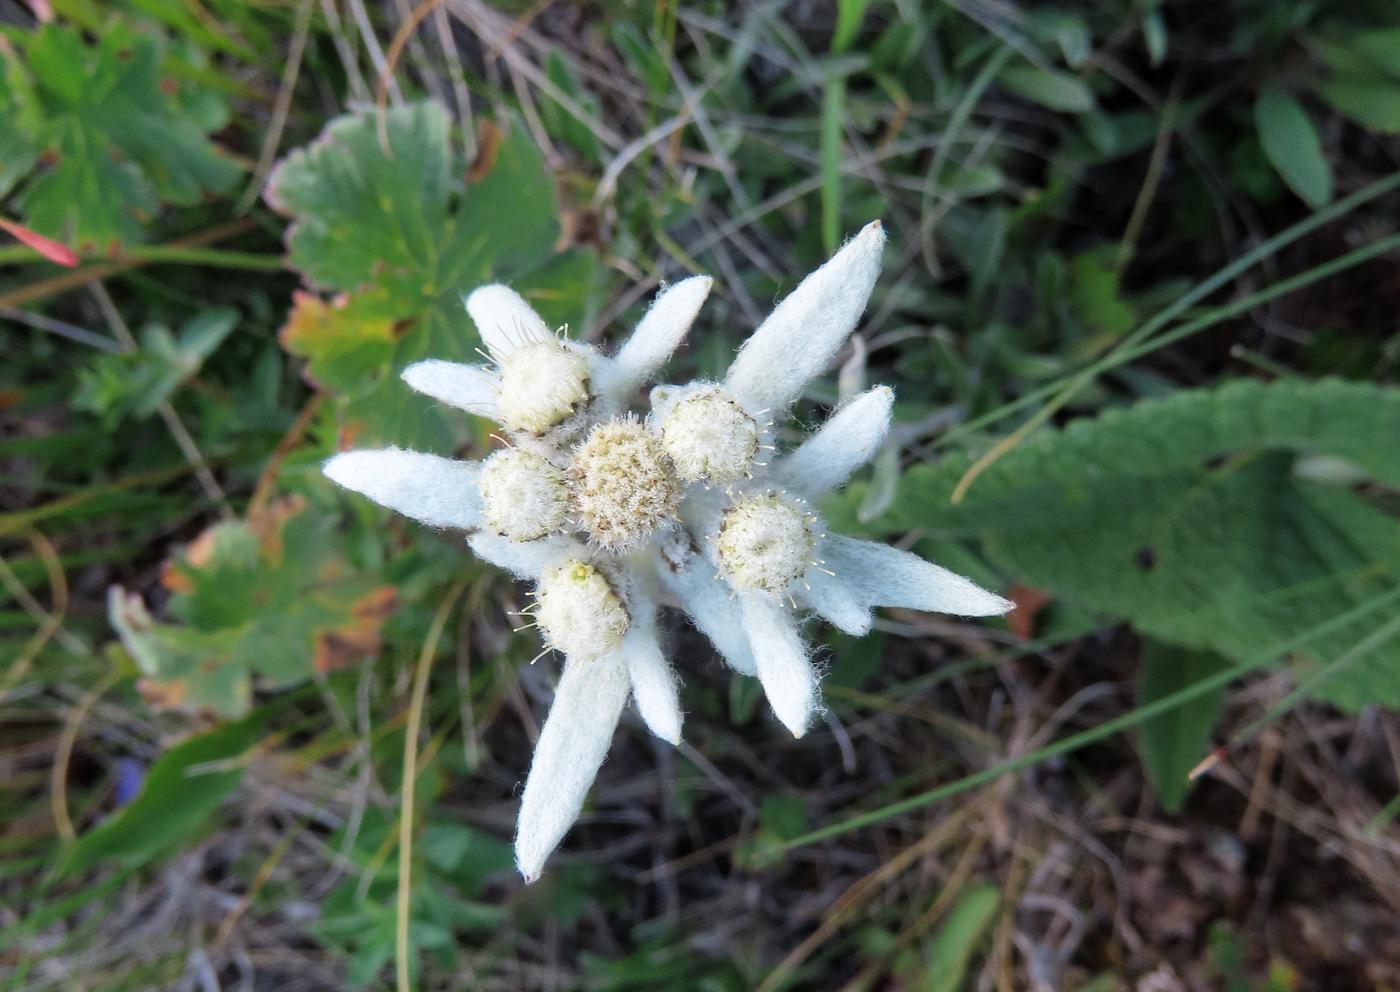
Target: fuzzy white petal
x=438, y=491
x=706, y=599
x=843, y=444
x=654, y=685
x=836, y=603
x=504, y=320
x=523, y=559
x=884, y=576
x=799, y=339
x=467, y=387
x=657, y=335
x=571, y=748
x=789, y=680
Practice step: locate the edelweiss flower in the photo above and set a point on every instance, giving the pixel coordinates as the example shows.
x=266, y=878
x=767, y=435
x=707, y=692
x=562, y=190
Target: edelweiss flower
x=611, y=517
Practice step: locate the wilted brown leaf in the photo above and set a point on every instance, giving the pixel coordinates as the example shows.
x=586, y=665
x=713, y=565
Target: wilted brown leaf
x=346, y=644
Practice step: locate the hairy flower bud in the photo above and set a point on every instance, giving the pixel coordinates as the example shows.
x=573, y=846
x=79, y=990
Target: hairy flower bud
x=541, y=384
x=578, y=612
x=710, y=437
x=624, y=489
x=767, y=541
x=523, y=496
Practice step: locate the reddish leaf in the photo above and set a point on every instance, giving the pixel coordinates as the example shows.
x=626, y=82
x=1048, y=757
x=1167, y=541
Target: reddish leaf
x=1029, y=602
x=50, y=249
x=359, y=638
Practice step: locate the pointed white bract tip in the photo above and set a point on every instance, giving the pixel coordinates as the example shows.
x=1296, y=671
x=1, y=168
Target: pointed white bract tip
x=880, y=575
x=438, y=491
x=849, y=439
x=798, y=340
x=467, y=387
x=504, y=320
x=571, y=747
x=658, y=334
x=654, y=685
x=789, y=681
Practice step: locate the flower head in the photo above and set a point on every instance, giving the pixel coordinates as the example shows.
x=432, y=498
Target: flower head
x=612, y=516
x=624, y=487
x=578, y=612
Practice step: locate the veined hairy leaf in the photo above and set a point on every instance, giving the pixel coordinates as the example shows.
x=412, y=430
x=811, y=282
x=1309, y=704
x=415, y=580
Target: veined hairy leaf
x=1185, y=517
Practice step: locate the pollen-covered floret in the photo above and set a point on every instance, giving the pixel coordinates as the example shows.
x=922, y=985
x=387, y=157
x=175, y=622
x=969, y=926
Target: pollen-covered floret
x=710, y=437
x=541, y=384
x=767, y=541
x=578, y=612
x=523, y=496
x=623, y=485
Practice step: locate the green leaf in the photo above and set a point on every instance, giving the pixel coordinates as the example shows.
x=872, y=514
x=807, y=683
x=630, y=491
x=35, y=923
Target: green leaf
x=849, y=14
x=1051, y=88
x=1154, y=37
x=1172, y=744
x=1371, y=101
x=1096, y=296
x=405, y=236
x=118, y=136
x=178, y=798
x=1292, y=144
x=267, y=597
x=118, y=387
x=1185, y=516
x=1362, y=52
x=345, y=341
x=952, y=948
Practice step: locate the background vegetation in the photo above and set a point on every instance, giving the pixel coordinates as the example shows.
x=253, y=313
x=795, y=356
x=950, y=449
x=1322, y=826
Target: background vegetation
x=1139, y=309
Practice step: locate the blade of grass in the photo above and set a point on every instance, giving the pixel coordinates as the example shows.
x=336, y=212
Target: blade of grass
x=1069, y=386
x=1083, y=739
x=1127, y=348
x=833, y=108
x=410, y=777
x=187, y=250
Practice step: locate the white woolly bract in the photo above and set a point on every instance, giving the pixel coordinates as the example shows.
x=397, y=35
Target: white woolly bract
x=707, y=599
x=654, y=685
x=523, y=496
x=623, y=486
x=541, y=384
x=844, y=443
x=789, y=681
x=708, y=435
x=880, y=575
x=656, y=337
x=504, y=320
x=766, y=541
x=568, y=754
x=467, y=387
x=799, y=339
x=524, y=559
x=833, y=599
x=438, y=491
x=578, y=612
